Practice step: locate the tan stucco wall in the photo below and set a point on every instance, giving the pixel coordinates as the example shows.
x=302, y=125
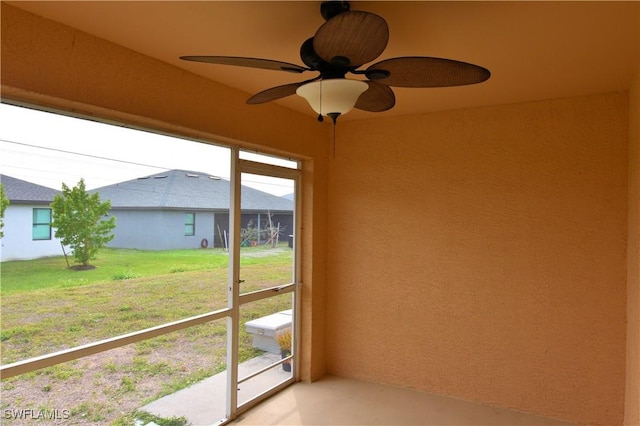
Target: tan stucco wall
x=482, y=254
x=52, y=65
x=632, y=400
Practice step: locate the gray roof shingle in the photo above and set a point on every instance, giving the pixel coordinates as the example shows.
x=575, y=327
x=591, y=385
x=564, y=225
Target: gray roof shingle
x=20, y=191
x=183, y=189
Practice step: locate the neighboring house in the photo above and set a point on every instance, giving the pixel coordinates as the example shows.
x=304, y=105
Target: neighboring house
x=27, y=221
x=185, y=209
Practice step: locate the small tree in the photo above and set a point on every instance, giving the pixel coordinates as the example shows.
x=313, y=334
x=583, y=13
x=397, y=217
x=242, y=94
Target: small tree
x=272, y=231
x=78, y=218
x=4, y=202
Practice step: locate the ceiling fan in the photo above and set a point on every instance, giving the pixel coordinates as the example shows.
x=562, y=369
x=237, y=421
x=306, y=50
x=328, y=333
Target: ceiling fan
x=345, y=42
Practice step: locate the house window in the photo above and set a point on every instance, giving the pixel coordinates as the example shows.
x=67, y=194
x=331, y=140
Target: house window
x=41, y=224
x=189, y=224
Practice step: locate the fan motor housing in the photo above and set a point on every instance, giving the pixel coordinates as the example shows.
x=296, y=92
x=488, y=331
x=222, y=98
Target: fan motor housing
x=316, y=63
x=309, y=55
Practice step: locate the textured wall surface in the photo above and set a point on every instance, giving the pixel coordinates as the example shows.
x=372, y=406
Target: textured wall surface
x=632, y=403
x=482, y=254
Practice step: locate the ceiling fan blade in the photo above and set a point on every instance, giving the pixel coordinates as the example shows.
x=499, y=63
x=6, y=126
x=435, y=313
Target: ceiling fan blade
x=277, y=92
x=376, y=98
x=239, y=61
x=351, y=39
x=420, y=71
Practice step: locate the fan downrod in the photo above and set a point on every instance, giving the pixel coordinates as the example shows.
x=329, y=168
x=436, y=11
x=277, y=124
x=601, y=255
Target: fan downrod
x=331, y=8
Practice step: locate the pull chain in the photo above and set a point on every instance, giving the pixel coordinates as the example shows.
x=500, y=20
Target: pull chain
x=320, y=118
x=334, y=139
x=334, y=116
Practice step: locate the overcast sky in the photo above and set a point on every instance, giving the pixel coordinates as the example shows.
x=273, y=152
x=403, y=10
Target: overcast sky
x=49, y=149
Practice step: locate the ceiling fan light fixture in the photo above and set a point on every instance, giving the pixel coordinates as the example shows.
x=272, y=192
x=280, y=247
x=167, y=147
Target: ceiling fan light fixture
x=344, y=43
x=337, y=95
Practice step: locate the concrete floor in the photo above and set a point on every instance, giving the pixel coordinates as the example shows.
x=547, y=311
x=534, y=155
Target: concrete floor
x=331, y=401
x=339, y=401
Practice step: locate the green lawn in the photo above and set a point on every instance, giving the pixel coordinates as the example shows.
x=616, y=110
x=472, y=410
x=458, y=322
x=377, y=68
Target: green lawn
x=112, y=265
x=46, y=307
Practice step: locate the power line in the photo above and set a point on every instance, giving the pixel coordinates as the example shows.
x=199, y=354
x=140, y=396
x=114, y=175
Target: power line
x=246, y=181
x=81, y=154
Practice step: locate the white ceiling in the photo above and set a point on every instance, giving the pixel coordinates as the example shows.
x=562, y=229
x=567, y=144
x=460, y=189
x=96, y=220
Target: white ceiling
x=535, y=50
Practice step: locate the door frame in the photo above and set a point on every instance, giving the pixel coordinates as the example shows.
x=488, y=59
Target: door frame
x=235, y=300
